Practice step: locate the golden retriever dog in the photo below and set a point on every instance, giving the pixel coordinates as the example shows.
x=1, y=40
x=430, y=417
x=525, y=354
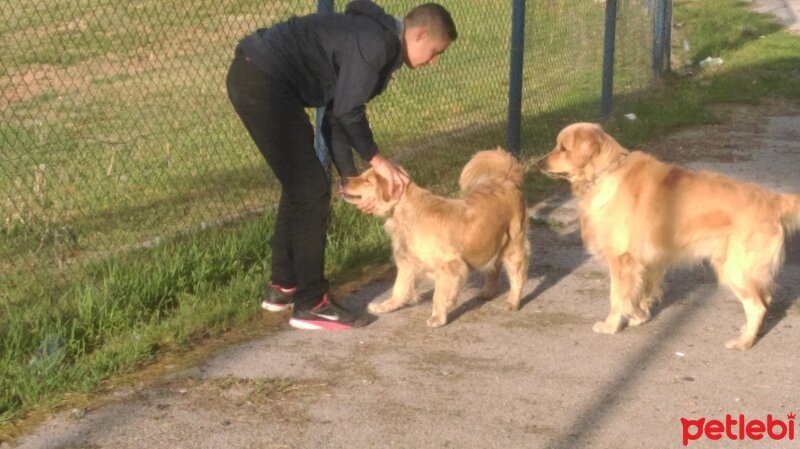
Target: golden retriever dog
x=444, y=238
x=643, y=216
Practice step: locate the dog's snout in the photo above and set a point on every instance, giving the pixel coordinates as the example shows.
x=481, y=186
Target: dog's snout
x=540, y=164
x=343, y=182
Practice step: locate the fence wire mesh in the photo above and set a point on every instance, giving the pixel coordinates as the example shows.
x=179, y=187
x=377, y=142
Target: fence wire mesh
x=116, y=130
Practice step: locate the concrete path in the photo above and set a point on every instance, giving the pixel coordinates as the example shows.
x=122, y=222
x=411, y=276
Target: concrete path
x=787, y=11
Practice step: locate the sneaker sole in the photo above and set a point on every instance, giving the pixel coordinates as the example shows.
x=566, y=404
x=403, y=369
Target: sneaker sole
x=318, y=325
x=275, y=307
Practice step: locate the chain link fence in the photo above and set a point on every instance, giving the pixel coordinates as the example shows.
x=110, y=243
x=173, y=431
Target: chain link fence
x=116, y=132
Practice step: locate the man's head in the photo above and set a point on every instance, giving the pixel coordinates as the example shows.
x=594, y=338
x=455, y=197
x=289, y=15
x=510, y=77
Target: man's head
x=428, y=32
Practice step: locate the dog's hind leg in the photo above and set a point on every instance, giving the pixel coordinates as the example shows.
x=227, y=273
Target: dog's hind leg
x=403, y=292
x=626, y=288
x=755, y=304
x=450, y=277
x=749, y=274
x=651, y=295
x=490, y=284
x=515, y=262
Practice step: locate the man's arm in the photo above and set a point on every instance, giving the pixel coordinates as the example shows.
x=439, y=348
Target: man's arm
x=338, y=145
x=356, y=83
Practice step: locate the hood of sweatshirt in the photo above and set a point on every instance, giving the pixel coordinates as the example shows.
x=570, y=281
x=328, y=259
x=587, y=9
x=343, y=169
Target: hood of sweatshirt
x=370, y=9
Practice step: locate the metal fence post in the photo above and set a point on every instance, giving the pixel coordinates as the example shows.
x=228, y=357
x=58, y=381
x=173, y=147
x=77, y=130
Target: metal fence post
x=515, y=77
x=323, y=6
x=667, y=63
x=661, y=35
x=609, y=40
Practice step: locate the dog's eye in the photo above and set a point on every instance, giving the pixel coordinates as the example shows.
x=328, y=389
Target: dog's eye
x=562, y=149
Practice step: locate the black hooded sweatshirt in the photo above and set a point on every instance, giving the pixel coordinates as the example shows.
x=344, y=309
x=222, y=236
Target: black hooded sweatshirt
x=335, y=60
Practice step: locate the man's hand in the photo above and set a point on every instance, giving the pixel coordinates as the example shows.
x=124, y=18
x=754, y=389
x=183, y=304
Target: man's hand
x=398, y=179
x=367, y=206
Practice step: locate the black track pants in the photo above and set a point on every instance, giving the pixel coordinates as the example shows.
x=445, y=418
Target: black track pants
x=277, y=121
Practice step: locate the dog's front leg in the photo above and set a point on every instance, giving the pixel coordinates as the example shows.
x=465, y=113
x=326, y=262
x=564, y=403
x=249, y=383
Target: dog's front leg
x=403, y=292
x=450, y=276
x=625, y=285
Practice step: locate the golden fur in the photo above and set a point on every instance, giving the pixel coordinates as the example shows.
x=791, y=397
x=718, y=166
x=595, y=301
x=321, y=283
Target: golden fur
x=444, y=238
x=643, y=216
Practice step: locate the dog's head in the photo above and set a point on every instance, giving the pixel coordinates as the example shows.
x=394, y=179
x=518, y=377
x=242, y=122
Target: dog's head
x=369, y=187
x=583, y=150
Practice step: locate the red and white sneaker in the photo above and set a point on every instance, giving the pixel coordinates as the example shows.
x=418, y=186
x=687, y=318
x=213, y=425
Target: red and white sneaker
x=327, y=315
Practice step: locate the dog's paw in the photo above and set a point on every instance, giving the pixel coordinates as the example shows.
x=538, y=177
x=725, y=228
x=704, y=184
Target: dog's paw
x=487, y=293
x=483, y=296
x=435, y=321
x=638, y=320
x=739, y=344
x=379, y=307
x=512, y=306
x=603, y=327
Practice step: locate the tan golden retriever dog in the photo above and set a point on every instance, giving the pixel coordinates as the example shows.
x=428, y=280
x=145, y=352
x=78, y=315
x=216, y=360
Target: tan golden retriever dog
x=444, y=238
x=644, y=216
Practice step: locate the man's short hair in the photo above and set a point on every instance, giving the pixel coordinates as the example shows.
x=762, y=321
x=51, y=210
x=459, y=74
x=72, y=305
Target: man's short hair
x=434, y=18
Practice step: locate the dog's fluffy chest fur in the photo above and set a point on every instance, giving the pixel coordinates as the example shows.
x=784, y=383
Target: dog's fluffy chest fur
x=416, y=211
x=597, y=202
x=612, y=208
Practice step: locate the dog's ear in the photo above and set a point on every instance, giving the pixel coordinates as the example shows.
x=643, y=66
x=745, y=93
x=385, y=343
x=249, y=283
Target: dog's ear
x=383, y=188
x=593, y=140
x=608, y=149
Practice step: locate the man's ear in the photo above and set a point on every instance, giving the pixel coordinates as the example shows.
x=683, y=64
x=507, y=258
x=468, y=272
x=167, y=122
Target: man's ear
x=417, y=33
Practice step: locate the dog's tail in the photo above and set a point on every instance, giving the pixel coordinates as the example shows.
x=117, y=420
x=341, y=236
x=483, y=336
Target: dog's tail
x=493, y=166
x=790, y=211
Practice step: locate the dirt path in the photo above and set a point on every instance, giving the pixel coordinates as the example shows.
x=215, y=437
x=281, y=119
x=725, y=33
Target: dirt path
x=537, y=378
x=787, y=12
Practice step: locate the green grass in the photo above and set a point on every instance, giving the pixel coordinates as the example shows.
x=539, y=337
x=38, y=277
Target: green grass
x=135, y=213
x=126, y=310
x=761, y=61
